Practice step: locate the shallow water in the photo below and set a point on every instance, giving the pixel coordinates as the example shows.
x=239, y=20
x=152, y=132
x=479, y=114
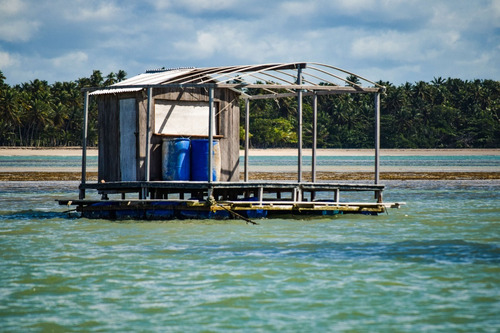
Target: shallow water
x=433, y=265
x=476, y=163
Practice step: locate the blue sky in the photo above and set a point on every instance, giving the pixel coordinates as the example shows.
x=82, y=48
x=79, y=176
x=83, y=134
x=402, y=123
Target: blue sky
x=391, y=40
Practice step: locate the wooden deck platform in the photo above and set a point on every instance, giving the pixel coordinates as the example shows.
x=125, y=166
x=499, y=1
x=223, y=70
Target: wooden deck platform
x=221, y=200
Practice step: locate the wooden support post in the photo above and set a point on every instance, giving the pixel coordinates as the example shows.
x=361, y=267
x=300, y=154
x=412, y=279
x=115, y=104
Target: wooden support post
x=247, y=136
x=299, y=129
x=379, y=196
x=377, y=138
x=84, y=143
x=148, y=133
x=297, y=194
x=210, y=132
x=315, y=139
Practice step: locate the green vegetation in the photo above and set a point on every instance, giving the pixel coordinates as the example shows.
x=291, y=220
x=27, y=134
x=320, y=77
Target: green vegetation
x=445, y=113
x=41, y=115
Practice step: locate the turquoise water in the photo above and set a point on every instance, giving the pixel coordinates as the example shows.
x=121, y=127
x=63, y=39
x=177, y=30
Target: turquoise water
x=433, y=265
x=441, y=161
x=46, y=161
x=408, y=161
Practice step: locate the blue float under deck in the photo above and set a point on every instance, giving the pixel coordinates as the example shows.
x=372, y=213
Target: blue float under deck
x=165, y=200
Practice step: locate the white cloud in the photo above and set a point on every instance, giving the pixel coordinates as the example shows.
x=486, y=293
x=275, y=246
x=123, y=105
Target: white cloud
x=200, y=6
x=6, y=60
x=394, y=74
x=356, y=6
x=159, y=4
x=400, y=39
x=391, y=45
x=14, y=23
x=204, y=47
x=195, y=6
x=495, y=6
x=105, y=12
x=383, y=11
x=416, y=46
x=69, y=59
x=234, y=41
x=17, y=30
x=11, y=7
x=297, y=8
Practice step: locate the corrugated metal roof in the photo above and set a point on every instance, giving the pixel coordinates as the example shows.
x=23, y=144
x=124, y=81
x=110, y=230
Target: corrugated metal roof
x=114, y=91
x=252, y=80
x=148, y=78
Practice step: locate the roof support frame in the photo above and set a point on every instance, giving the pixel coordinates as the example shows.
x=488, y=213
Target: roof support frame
x=338, y=77
x=227, y=73
x=350, y=73
x=306, y=93
x=247, y=137
x=210, y=133
x=148, y=133
x=84, y=142
x=299, y=129
x=377, y=139
x=307, y=83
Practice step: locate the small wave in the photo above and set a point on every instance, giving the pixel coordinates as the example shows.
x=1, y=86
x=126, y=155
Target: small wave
x=31, y=214
x=425, y=251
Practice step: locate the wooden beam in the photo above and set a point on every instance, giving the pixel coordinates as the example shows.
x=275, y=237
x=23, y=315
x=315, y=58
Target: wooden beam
x=237, y=86
x=299, y=129
x=148, y=133
x=247, y=137
x=210, y=132
x=84, y=142
x=377, y=138
x=315, y=137
x=310, y=93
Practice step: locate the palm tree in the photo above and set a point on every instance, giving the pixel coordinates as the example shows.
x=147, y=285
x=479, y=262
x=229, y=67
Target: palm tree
x=438, y=81
x=121, y=75
x=96, y=79
x=110, y=79
x=352, y=80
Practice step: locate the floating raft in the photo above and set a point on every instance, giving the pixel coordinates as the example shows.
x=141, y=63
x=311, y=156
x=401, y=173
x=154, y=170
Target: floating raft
x=163, y=200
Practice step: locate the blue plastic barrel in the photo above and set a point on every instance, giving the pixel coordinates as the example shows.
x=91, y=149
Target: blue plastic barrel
x=176, y=159
x=199, y=160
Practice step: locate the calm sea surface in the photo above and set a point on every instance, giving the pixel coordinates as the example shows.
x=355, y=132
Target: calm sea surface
x=473, y=163
x=433, y=266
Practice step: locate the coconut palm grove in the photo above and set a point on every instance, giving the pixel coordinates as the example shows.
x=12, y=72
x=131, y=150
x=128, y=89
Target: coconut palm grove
x=442, y=113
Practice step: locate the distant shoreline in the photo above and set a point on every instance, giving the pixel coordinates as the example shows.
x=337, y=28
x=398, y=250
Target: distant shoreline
x=77, y=151
x=46, y=151
x=371, y=152
x=22, y=173
x=285, y=176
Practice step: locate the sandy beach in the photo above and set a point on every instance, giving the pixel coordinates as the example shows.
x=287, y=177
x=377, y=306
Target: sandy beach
x=370, y=152
x=65, y=151
x=280, y=172
x=77, y=151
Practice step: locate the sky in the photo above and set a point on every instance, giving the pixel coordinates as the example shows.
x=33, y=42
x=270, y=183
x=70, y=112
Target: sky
x=389, y=40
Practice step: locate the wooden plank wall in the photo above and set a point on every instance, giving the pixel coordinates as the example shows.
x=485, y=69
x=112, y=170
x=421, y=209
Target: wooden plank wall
x=142, y=107
x=226, y=102
x=229, y=126
x=227, y=108
x=109, y=138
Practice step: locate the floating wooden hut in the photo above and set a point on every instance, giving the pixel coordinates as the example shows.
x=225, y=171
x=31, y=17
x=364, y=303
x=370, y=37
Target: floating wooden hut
x=169, y=143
